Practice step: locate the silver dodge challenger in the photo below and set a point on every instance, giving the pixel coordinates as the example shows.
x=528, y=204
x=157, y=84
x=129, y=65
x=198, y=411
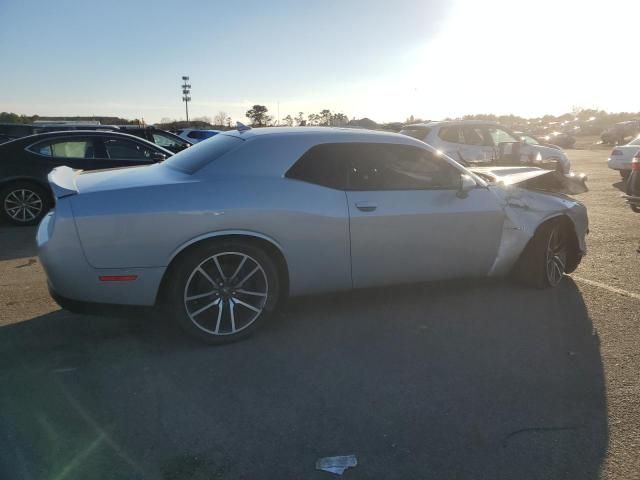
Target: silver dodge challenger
x=217, y=235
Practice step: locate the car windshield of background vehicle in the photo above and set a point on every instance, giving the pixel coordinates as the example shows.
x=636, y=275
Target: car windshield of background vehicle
x=167, y=141
x=194, y=158
x=636, y=141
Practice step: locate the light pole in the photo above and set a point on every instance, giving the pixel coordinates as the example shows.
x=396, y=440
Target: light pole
x=186, y=90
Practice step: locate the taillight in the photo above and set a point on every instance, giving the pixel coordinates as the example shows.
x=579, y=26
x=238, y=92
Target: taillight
x=635, y=163
x=616, y=152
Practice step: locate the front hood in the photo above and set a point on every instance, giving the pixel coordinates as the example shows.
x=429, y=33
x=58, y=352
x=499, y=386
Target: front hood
x=127, y=177
x=533, y=178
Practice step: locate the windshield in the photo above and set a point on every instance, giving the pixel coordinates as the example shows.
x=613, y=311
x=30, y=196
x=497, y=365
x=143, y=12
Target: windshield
x=194, y=158
x=529, y=139
x=635, y=141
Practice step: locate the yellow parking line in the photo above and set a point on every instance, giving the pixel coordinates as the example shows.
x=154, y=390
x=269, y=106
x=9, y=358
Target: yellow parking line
x=604, y=286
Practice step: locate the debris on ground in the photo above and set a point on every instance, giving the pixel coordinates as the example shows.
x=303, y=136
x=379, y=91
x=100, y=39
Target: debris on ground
x=336, y=465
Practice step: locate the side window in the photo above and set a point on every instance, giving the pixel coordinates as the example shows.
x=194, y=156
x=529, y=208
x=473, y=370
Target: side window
x=451, y=134
x=324, y=164
x=499, y=135
x=126, y=150
x=167, y=141
x=399, y=167
x=473, y=136
x=66, y=149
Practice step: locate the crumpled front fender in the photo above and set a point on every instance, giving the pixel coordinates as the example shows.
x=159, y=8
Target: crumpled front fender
x=525, y=211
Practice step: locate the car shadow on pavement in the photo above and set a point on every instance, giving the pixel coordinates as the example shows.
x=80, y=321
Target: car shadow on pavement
x=17, y=242
x=449, y=380
x=620, y=185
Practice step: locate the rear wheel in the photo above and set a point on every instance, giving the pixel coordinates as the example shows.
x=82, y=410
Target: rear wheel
x=222, y=292
x=24, y=203
x=547, y=257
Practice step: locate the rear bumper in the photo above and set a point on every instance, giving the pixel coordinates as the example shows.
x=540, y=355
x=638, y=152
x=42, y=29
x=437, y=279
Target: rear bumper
x=619, y=164
x=73, y=279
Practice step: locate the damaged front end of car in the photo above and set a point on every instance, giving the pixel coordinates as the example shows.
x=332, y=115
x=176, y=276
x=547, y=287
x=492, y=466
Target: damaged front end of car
x=532, y=196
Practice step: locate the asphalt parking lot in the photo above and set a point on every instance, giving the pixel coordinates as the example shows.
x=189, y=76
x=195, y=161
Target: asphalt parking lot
x=450, y=380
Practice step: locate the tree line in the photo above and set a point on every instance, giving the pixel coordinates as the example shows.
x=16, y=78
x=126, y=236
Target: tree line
x=259, y=117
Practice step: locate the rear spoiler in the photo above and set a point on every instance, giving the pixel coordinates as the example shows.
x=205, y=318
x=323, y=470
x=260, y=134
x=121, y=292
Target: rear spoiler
x=63, y=181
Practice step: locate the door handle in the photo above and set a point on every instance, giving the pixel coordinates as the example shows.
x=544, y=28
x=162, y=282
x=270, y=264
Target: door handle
x=366, y=206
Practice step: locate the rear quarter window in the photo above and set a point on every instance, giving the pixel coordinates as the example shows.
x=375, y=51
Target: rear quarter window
x=416, y=132
x=194, y=158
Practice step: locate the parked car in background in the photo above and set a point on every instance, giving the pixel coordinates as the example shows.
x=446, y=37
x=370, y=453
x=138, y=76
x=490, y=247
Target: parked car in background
x=25, y=196
x=621, y=156
x=633, y=184
x=221, y=232
x=474, y=142
x=621, y=132
x=194, y=135
x=160, y=137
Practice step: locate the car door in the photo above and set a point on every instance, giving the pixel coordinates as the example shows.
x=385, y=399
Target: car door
x=124, y=152
x=407, y=221
x=478, y=149
x=497, y=135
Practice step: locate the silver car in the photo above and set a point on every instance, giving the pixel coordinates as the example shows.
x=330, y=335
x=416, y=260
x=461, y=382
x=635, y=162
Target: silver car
x=217, y=235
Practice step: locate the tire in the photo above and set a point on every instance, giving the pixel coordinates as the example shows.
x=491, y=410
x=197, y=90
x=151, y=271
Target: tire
x=24, y=203
x=207, y=290
x=547, y=257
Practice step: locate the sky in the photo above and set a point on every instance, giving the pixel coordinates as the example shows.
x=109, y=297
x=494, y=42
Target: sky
x=381, y=59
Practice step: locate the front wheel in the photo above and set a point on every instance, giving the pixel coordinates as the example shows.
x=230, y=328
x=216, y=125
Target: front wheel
x=544, y=261
x=222, y=292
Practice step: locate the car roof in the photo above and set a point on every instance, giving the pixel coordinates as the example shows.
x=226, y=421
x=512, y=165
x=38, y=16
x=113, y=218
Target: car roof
x=443, y=123
x=85, y=133
x=323, y=133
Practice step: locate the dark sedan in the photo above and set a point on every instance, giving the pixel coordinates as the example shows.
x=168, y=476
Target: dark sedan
x=25, y=163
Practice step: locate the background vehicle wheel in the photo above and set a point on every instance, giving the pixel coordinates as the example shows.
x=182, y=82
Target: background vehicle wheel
x=24, y=203
x=547, y=257
x=222, y=292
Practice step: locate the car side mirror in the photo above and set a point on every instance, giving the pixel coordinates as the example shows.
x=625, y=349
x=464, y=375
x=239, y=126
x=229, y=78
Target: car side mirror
x=157, y=156
x=467, y=183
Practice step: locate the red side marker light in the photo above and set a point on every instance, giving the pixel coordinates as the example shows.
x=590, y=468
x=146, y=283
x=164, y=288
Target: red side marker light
x=117, y=278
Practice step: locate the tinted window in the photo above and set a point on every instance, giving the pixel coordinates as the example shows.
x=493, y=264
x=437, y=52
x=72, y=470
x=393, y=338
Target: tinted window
x=324, y=165
x=451, y=134
x=200, y=134
x=66, y=149
x=196, y=157
x=398, y=167
x=168, y=141
x=499, y=135
x=126, y=150
x=416, y=132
